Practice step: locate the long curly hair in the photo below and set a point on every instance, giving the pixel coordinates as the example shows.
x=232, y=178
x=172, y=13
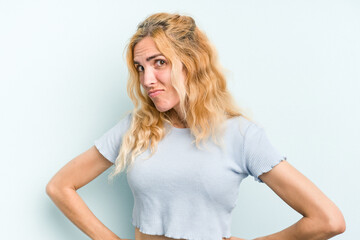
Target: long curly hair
x=205, y=101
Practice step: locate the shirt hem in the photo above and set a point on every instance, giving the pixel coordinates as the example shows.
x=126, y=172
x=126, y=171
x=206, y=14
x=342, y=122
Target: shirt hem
x=172, y=235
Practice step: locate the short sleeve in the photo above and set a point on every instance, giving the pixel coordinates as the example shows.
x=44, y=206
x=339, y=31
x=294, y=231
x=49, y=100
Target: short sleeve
x=260, y=155
x=109, y=143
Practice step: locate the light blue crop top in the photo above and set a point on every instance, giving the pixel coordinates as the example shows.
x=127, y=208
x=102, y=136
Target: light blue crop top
x=186, y=193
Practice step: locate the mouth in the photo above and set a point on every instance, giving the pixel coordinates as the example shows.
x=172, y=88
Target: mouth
x=155, y=93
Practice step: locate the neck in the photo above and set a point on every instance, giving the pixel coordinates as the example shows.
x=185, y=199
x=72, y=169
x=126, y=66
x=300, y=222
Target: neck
x=177, y=121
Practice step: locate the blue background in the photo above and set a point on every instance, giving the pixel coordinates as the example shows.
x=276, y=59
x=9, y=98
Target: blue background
x=294, y=64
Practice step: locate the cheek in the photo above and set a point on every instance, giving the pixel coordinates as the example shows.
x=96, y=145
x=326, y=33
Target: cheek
x=164, y=77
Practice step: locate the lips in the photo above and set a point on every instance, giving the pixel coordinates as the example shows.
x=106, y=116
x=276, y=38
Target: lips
x=155, y=93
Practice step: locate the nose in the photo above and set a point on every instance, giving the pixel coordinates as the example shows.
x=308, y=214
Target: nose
x=149, y=77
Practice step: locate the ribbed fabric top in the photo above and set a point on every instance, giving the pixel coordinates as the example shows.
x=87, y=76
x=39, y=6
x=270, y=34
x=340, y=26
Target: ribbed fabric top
x=186, y=193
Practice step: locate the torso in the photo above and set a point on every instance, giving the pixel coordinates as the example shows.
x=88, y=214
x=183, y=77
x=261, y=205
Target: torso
x=142, y=236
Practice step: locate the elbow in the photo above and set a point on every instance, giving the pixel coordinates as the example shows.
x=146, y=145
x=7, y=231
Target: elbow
x=54, y=190
x=50, y=189
x=335, y=224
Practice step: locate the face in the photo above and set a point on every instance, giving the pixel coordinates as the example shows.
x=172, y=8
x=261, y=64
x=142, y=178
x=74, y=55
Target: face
x=155, y=73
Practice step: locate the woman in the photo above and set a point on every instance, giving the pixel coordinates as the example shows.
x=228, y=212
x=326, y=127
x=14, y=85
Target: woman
x=182, y=190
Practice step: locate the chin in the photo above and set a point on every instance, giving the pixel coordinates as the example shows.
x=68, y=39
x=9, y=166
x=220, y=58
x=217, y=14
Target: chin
x=162, y=109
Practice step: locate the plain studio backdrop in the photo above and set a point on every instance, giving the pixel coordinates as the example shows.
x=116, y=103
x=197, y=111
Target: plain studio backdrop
x=294, y=64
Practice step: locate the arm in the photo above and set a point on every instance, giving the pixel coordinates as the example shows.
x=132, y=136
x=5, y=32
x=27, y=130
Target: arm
x=62, y=190
x=321, y=217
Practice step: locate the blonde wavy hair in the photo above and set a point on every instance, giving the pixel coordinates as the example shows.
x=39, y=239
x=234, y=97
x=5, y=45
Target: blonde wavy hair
x=205, y=101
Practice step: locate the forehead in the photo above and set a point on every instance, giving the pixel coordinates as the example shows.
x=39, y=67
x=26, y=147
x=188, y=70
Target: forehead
x=145, y=48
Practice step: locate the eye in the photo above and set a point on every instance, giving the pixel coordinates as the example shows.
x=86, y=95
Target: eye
x=139, y=68
x=160, y=62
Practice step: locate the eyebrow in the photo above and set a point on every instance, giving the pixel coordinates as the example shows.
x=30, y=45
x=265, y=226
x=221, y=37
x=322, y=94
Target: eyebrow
x=149, y=58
